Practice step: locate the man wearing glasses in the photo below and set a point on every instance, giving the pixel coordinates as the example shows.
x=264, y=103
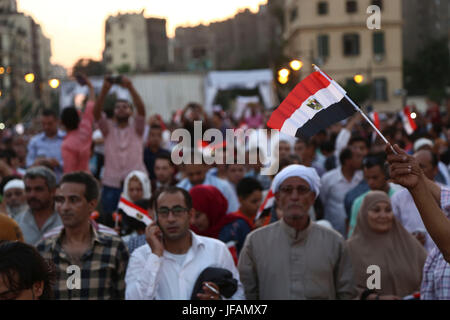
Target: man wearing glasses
x=169, y=266
x=295, y=258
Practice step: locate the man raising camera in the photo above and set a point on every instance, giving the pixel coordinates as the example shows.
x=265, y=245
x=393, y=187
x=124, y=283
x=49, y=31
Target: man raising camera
x=122, y=140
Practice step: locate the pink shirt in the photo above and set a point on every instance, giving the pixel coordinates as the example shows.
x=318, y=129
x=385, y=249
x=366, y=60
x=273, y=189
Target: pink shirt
x=123, y=149
x=76, y=146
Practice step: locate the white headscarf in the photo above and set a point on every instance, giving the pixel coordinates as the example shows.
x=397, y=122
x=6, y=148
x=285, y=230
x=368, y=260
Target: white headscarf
x=14, y=184
x=296, y=170
x=145, y=181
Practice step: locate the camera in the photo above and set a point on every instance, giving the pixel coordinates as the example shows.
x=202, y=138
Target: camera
x=114, y=79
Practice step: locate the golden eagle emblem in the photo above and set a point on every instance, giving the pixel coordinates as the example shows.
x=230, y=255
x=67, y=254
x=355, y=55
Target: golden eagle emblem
x=139, y=216
x=314, y=104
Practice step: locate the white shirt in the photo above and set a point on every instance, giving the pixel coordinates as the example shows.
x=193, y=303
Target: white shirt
x=406, y=212
x=332, y=193
x=150, y=277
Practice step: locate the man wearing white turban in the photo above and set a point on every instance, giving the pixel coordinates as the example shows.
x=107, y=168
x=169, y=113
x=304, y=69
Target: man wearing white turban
x=295, y=258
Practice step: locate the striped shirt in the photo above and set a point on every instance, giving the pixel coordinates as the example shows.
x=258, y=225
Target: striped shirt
x=102, y=267
x=436, y=271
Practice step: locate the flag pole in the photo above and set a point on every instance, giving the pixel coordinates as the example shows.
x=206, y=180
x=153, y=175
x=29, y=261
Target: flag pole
x=357, y=109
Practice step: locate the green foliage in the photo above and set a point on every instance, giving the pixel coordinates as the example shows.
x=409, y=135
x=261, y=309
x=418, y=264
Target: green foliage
x=359, y=93
x=124, y=69
x=89, y=67
x=429, y=72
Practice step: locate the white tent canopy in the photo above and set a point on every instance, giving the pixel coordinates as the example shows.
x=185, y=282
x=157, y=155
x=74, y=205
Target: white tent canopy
x=247, y=79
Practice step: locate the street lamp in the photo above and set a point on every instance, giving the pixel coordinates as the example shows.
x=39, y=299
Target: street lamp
x=296, y=65
x=53, y=83
x=29, y=77
x=2, y=70
x=283, y=73
x=283, y=80
x=359, y=78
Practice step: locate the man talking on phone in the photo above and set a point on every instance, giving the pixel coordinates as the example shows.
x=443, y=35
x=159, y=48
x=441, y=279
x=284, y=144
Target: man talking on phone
x=168, y=267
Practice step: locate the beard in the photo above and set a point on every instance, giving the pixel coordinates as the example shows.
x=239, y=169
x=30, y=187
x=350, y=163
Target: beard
x=16, y=210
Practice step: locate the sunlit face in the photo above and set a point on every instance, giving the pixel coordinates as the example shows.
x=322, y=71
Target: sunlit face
x=294, y=198
x=72, y=205
x=173, y=227
x=122, y=111
x=39, y=197
x=285, y=149
x=163, y=170
x=375, y=177
x=425, y=161
x=49, y=125
x=196, y=173
x=155, y=138
x=135, y=189
x=14, y=197
x=235, y=173
x=251, y=203
x=200, y=221
x=380, y=217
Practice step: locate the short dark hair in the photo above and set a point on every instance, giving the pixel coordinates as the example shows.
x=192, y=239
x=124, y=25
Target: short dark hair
x=345, y=155
x=70, y=118
x=41, y=172
x=91, y=191
x=247, y=186
x=358, y=139
x=49, y=113
x=373, y=160
x=164, y=156
x=172, y=190
x=8, y=154
x=21, y=266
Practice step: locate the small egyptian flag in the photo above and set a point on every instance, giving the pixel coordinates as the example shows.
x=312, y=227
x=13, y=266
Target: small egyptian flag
x=408, y=122
x=134, y=211
x=375, y=119
x=315, y=104
x=268, y=202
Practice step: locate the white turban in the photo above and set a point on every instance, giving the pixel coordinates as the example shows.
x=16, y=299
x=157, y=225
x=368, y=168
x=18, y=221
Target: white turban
x=295, y=170
x=14, y=184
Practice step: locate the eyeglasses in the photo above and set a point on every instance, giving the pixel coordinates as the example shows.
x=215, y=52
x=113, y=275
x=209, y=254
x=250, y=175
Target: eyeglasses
x=301, y=190
x=177, y=211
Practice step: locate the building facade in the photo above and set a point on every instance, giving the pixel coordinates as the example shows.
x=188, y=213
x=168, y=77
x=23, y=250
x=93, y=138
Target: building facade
x=242, y=42
x=334, y=35
x=23, y=49
x=135, y=43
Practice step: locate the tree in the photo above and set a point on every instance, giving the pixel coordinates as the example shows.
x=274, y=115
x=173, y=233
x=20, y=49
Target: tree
x=359, y=93
x=89, y=67
x=429, y=72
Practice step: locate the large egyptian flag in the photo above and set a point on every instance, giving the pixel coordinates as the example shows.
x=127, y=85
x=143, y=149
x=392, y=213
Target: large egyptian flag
x=315, y=103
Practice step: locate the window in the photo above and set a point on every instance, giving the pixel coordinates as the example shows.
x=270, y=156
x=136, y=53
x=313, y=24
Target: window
x=378, y=43
x=124, y=56
x=378, y=3
x=323, y=46
x=380, y=89
x=351, y=6
x=351, y=44
x=322, y=8
x=294, y=14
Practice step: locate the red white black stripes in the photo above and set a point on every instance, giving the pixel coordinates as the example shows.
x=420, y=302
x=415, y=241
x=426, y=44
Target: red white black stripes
x=313, y=105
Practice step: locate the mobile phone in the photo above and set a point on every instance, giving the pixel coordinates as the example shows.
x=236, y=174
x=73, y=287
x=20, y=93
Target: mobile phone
x=115, y=79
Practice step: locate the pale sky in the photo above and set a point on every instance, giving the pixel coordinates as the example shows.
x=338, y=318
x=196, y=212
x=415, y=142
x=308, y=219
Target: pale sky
x=76, y=27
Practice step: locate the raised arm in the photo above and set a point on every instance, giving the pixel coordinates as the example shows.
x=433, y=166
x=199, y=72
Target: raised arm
x=406, y=171
x=101, y=99
x=137, y=100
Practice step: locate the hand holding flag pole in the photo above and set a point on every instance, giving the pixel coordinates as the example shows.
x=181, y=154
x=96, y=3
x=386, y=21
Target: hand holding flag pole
x=357, y=109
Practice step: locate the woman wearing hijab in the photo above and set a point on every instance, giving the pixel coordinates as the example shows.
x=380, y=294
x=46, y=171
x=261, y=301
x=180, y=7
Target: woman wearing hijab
x=211, y=214
x=380, y=240
x=136, y=188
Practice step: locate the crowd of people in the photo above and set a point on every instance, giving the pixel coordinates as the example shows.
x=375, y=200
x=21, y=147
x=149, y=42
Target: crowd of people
x=340, y=203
